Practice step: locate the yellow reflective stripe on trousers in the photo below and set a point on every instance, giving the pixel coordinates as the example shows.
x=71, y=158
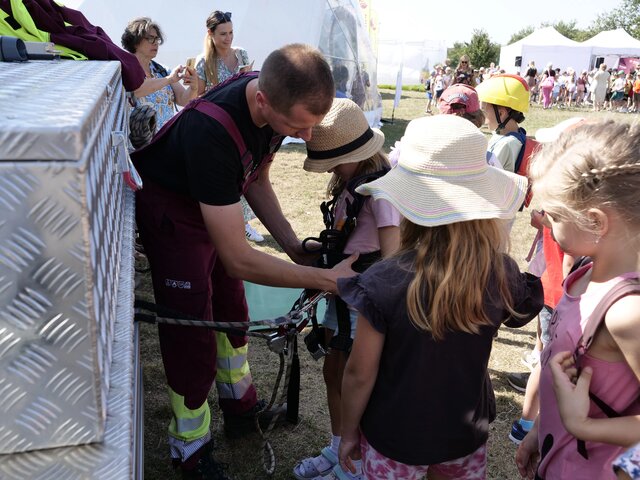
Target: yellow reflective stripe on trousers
x=186, y=424
x=234, y=391
x=233, y=377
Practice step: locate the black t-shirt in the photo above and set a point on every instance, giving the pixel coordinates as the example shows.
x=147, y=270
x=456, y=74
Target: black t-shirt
x=198, y=158
x=432, y=400
x=532, y=72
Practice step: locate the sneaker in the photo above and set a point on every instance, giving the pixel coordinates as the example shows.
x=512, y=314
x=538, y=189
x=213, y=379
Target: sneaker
x=206, y=468
x=518, y=381
x=237, y=426
x=252, y=235
x=517, y=433
x=530, y=358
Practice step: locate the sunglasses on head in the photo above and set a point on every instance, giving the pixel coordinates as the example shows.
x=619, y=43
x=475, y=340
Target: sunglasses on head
x=224, y=17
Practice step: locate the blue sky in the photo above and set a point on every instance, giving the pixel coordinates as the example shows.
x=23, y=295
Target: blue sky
x=454, y=20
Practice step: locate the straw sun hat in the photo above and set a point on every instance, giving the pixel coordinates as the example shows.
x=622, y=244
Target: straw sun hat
x=343, y=136
x=442, y=176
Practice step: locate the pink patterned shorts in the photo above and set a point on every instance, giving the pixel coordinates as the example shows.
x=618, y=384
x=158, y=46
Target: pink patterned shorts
x=376, y=466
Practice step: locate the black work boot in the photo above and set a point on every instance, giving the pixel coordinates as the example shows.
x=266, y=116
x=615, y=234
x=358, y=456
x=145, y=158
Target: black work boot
x=237, y=426
x=202, y=466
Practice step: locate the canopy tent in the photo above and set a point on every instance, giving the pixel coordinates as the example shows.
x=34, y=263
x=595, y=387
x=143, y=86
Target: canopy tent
x=544, y=46
x=612, y=46
x=335, y=27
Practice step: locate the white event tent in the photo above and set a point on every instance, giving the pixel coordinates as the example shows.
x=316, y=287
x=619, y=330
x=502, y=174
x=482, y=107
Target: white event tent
x=544, y=46
x=336, y=27
x=611, y=46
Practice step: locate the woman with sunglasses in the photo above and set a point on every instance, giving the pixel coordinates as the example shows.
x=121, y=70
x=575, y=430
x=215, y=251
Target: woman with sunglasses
x=220, y=59
x=219, y=62
x=464, y=72
x=161, y=89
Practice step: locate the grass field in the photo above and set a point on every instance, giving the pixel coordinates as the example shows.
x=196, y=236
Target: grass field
x=300, y=194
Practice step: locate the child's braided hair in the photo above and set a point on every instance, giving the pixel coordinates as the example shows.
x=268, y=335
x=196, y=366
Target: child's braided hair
x=595, y=165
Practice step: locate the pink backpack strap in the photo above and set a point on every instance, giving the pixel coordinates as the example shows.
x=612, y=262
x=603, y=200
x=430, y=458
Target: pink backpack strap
x=628, y=286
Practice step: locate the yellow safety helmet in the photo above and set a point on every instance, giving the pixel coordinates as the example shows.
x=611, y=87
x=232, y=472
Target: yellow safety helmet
x=505, y=90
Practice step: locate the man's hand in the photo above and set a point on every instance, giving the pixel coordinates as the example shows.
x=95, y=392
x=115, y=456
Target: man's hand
x=304, y=256
x=343, y=270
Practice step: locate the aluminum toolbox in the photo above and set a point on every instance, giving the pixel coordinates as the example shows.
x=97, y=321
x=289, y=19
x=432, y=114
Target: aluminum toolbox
x=64, y=215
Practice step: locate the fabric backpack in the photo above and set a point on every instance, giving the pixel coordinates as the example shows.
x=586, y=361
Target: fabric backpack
x=530, y=147
x=629, y=286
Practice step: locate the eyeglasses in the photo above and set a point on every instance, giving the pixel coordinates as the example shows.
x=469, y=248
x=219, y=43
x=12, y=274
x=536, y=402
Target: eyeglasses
x=223, y=17
x=463, y=62
x=153, y=39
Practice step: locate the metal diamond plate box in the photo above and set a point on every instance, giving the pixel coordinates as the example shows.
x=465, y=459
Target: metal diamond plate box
x=62, y=208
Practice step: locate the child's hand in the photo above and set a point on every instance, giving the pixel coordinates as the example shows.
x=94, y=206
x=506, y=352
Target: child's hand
x=573, y=400
x=527, y=455
x=349, y=450
x=537, y=219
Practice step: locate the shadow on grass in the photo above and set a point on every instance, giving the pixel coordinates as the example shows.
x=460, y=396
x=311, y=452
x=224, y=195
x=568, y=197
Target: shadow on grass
x=523, y=344
x=391, y=95
x=393, y=131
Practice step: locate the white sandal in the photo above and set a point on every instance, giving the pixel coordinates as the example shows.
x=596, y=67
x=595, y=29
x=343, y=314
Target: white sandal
x=307, y=469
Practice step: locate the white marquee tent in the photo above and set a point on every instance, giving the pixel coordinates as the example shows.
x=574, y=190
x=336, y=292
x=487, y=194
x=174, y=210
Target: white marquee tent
x=544, y=46
x=611, y=46
x=336, y=27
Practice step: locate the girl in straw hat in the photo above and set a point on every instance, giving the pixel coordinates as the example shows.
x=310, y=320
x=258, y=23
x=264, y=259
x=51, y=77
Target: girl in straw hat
x=419, y=395
x=344, y=145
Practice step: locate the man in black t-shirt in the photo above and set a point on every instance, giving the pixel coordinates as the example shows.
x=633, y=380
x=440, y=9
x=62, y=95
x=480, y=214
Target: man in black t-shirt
x=192, y=228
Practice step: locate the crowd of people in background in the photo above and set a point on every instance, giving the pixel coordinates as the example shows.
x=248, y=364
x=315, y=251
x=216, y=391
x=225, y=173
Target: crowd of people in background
x=601, y=88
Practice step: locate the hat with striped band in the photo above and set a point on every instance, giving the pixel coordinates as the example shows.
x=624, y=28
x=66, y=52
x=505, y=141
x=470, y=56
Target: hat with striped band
x=343, y=136
x=442, y=176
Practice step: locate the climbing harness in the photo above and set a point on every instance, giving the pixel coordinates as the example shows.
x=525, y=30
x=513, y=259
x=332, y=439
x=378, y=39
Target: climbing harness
x=281, y=335
x=333, y=240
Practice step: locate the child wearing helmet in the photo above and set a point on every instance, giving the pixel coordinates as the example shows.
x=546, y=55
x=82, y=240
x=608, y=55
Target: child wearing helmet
x=505, y=100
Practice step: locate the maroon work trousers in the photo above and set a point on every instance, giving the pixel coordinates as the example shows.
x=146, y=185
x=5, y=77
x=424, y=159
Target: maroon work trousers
x=188, y=277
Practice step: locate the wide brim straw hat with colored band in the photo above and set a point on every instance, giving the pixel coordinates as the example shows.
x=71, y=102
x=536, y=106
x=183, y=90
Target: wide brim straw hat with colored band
x=442, y=176
x=343, y=136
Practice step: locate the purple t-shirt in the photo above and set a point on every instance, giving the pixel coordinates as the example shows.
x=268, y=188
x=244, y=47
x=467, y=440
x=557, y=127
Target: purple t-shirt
x=613, y=382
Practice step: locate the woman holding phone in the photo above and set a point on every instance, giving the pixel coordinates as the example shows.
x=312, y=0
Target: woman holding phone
x=220, y=59
x=161, y=88
x=219, y=62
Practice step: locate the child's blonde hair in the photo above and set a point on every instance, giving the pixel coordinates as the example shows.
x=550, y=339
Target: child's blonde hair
x=370, y=165
x=453, y=267
x=594, y=165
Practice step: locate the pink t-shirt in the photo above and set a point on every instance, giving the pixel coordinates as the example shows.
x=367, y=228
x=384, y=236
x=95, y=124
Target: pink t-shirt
x=374, y=214
x=613, y=382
